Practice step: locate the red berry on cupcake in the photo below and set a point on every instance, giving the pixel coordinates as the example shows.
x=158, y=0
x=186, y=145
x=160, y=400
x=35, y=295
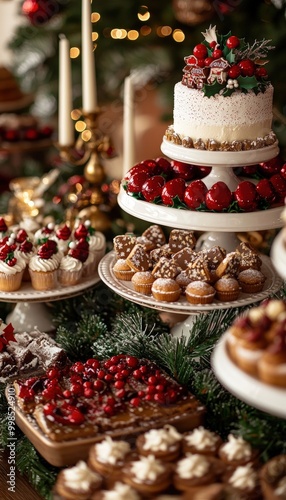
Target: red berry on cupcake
x=217, y=53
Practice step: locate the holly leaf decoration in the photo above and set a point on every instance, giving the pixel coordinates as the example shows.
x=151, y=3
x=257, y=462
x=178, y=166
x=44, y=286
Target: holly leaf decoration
x=247, y=82
x=213, y=89
x=228, y=92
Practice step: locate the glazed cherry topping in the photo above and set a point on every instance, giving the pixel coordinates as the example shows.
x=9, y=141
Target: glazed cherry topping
x=131, y=361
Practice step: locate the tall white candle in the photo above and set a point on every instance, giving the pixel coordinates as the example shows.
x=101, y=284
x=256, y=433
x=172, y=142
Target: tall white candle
x=128, y=125
x=89, y=91
x=65, y=124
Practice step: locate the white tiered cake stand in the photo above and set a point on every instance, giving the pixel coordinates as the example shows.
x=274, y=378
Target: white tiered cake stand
x=31, y=310
x=221, y=229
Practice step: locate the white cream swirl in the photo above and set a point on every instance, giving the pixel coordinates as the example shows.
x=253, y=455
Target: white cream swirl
x=147, y=469
x=12, y=270
x=192, y=466
x=69, y=263
x=43, y=265
x=96, y=241
x=201, y=438
x=25, y=256
x=121, y=491
x=80, y=477
x=236, y=448
x=161, y=439
x=110, y=451
x=244, y=477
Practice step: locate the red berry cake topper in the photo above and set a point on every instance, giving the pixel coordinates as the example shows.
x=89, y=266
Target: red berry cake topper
x=223, y=63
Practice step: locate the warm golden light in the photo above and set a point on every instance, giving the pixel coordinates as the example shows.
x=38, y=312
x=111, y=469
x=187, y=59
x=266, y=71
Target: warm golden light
x=178, y=36
x=80, y=126
x=143, y=14
x=86, y=135
x=144, y=17
x=118, y=34
x=145, y=30
x=133, y=35
x=95, y=16
x=74, y=52
x=76, y=114
x=94, y=36
x=166, y=30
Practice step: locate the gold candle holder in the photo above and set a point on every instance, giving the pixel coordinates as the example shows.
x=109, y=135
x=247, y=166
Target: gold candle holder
x=91, y=146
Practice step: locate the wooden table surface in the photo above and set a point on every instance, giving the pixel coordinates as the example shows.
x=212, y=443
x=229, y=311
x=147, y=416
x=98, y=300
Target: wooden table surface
x=23, y=490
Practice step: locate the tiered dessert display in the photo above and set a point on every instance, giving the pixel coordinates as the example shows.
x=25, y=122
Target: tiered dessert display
x=49, y=264
x=222, y=119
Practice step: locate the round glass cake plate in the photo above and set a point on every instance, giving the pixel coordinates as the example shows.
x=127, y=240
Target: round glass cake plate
x=125, y=288
x=278, y=255
x=264, y=397
x=31, y=311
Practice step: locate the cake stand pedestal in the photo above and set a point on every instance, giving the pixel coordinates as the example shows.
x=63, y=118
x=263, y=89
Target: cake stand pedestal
x=31, y=310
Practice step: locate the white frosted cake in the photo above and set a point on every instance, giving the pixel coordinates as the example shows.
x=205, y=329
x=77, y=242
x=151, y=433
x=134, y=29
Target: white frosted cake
x=225, y=99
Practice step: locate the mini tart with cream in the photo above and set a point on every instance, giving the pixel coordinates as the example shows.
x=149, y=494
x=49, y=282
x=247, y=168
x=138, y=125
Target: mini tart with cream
x=244, y=479
x=236, y=451
x=148, y=475
x=164, y=443
x=272, y=364
x=273, y=478
x=196, y=470
x=120, y=491
x=202, y=441
x=260, y=334
x=78, y=482
x=246, y=339
x=108, y=458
